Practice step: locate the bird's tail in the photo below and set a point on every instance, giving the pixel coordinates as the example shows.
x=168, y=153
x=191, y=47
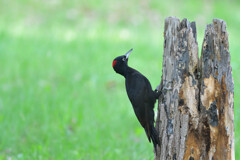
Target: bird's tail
x=154, y=137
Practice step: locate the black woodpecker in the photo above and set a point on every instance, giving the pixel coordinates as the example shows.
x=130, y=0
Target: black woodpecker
x=140, y=94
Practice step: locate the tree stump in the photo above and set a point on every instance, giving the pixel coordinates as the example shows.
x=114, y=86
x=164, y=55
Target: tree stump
x=195, y=113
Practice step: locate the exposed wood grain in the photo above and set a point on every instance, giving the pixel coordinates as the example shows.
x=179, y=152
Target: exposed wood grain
x=217, y=90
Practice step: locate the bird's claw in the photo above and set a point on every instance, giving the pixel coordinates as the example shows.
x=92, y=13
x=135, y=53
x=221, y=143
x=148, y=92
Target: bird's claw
x=158, y=91
x=157, y=88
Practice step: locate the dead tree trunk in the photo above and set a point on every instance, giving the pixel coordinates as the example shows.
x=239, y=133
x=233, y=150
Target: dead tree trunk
x=195, y=113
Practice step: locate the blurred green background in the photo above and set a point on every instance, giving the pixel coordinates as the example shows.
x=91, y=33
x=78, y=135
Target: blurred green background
x=59, y=96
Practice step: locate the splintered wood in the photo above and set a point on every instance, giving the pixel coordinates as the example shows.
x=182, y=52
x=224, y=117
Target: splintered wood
x=195, y=113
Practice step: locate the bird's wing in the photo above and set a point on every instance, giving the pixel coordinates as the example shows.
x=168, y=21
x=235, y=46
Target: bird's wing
x=139, y=89
x=149, y=118
x=141, y=96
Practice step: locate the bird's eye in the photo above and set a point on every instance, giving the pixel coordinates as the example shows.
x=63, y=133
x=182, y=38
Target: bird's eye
x=124, y=59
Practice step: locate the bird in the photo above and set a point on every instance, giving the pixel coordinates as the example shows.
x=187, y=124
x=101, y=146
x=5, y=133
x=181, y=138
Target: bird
x=140, y=94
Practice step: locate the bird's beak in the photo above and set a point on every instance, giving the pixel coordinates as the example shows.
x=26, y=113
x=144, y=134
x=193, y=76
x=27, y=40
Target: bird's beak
x=128, y=53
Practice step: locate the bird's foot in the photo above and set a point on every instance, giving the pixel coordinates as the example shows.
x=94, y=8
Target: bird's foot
x=158, y=88
x=158, y=91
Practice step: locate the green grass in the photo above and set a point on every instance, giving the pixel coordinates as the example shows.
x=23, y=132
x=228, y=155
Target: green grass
x=59, y=96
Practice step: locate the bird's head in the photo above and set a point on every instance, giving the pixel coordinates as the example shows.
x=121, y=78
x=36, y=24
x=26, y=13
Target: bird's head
x=121, y=62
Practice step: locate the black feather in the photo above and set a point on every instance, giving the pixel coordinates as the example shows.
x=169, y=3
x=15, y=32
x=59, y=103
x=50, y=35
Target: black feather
x=141, y=96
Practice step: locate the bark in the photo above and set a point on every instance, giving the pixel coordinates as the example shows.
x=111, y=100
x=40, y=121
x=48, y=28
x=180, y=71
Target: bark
x=195, y=112
x=217, y=90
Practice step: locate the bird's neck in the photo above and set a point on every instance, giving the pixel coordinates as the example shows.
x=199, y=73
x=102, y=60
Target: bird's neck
x=125, y=71
x=128, y=71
